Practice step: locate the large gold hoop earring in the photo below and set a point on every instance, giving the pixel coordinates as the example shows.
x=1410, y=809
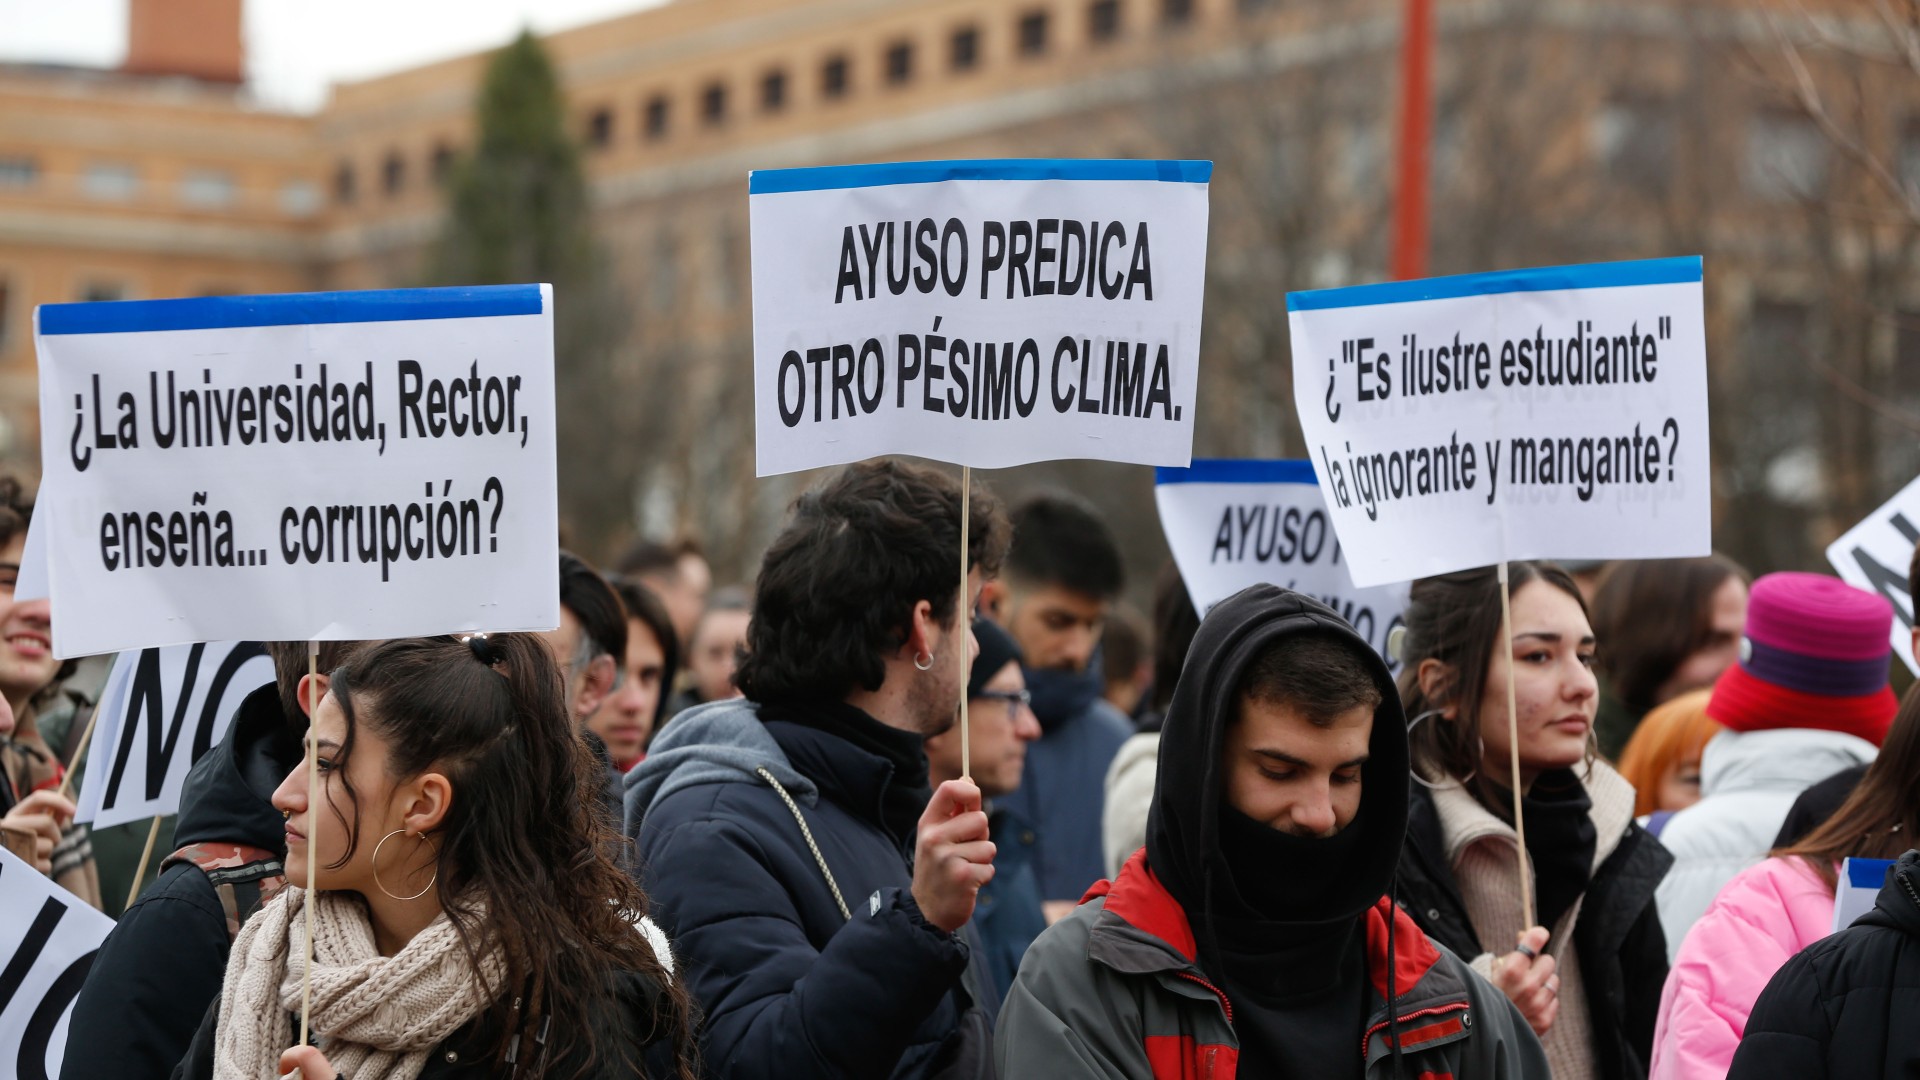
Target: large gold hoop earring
x=376, y=867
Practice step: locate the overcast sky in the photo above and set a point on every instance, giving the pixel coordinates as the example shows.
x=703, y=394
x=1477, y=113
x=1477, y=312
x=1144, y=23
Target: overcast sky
x=295, y=48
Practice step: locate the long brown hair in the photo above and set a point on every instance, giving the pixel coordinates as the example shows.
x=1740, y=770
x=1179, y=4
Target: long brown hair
x=523, y=851
x=1882, y=816
x=1455, y=619
x=1643, y=652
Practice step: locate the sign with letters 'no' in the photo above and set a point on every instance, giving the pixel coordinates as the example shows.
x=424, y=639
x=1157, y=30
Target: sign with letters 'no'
x=162, y=710
x=985, y=313
x=1876, y=555
x=48, y=940
x=296, y=467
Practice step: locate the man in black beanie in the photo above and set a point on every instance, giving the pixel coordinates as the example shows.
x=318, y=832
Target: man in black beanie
x=1255, y=934
x=1009, y=913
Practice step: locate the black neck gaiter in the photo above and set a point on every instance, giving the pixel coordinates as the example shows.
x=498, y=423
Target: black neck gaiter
x=1272, y=936
x=905, y=796
x=1298, y=985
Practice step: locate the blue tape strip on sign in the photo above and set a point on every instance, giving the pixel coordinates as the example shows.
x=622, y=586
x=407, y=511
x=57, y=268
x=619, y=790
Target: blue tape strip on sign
x=1239, y=471
x=1674, y=271
x=776, y=181
x=290, y=309
x=1868, y=873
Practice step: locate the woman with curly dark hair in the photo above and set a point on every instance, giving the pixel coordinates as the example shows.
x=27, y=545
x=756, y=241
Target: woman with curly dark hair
x=466, y=919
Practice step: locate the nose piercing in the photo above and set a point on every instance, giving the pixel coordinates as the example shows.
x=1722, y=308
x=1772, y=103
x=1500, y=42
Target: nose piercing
x=286, y=815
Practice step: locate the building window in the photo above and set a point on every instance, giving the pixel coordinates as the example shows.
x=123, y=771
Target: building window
x=1786, y=156
x=1103, y=20
x=18, y=171
x=600, y=128
x=6, y=312
x=1633, y=140
x=656, y=116
x=1255, y=7
x=95, y=291
x=713, y=104
x=1906, y=354
x=963, y=53
x=1033, y=33
x=393, y=173
x=207, y=189
x=343, y=183
x=110, y=181
x=773, y=91
x=299, y=198
x=835, y=78
x=440, y=163
x=1909, y=163
x=899, y=63
x=1176, y=12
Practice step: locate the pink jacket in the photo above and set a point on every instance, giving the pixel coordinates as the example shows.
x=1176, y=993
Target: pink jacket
x=1759, y=920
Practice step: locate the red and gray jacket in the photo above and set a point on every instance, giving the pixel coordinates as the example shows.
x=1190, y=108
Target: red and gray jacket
x=1113, y=991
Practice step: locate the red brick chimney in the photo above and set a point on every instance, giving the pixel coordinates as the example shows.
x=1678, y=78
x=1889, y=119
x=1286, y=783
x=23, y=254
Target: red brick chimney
x=198, y=38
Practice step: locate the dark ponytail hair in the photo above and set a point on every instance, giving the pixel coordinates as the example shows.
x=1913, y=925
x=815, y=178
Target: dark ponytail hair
x=523, y=864
x=1882, y=816
x=1455, y=619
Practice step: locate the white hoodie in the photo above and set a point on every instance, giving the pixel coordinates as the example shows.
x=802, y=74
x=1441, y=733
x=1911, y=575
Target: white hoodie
x=1748, y=781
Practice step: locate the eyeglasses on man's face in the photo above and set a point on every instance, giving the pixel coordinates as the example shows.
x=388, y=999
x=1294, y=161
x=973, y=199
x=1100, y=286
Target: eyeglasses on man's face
x=1015, y=700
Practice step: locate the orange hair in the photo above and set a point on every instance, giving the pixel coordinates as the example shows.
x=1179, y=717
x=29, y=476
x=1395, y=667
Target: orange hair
x=1676, y=731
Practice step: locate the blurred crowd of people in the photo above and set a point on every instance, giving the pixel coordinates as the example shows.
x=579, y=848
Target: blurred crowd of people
x=738, y=832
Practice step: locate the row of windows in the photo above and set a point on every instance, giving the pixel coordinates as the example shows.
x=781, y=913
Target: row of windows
x=393, y=173
x=121, y=182
x=899, y=65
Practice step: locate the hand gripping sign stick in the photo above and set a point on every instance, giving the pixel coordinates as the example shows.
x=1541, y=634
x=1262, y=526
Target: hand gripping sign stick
x=966, y=614
x=1513, y=748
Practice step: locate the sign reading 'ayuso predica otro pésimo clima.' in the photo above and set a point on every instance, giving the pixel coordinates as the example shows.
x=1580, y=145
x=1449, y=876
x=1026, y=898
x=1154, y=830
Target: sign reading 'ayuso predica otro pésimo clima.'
x=987, y=313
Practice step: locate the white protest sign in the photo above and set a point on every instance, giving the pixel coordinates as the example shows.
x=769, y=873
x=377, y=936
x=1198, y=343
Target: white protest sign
x=1857, y=889
x=319, y=466
x=1875, y=554
x=1235, y=523
x=161, y=711
x=47, y=944
x=986, y=313
x=1553, y=413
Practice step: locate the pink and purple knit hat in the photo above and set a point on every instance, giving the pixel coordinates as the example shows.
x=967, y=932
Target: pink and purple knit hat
x=1814, y=655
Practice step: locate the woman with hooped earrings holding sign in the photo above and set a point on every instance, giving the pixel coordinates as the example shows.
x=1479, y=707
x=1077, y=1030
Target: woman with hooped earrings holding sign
x=468, y=920
x=1588, y=979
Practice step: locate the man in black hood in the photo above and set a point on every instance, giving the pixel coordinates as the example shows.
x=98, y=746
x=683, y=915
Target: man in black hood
x=1254, y=933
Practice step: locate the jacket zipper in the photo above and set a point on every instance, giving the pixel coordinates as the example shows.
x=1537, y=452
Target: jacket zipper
x=1217, y=992
x=1906, y=882
x=1458, y=1006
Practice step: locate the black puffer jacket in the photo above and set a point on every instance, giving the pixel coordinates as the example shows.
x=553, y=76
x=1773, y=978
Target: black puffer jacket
x=1623, y=952
x=166, y=958
x=790, y=985
x=1844, y=1007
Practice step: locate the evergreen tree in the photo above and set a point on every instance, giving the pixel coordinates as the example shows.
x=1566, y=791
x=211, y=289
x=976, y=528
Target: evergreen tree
x=519, y=211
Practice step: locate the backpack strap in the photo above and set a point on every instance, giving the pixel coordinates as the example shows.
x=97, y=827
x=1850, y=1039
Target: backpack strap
x=807, y=834
x=244, y=878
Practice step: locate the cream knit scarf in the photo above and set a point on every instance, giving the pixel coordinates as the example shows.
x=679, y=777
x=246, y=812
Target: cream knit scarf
x=377, y=1017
